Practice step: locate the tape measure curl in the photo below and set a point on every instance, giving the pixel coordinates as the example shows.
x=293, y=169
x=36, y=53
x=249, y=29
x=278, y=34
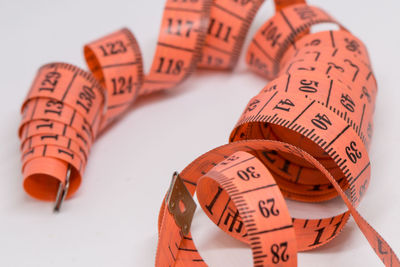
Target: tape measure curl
x=67, y=107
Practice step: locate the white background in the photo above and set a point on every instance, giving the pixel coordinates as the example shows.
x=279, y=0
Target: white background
x=112, y=220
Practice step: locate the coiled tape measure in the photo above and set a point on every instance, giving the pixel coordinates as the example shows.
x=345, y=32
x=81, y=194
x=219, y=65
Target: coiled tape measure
x=305, y=136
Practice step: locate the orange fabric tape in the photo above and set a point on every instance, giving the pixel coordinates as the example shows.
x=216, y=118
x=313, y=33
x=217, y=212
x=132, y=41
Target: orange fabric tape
x=305, y=136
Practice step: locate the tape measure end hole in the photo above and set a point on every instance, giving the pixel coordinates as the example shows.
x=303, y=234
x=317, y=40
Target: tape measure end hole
x=181, y=206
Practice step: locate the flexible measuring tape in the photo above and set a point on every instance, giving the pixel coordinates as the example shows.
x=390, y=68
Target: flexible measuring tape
x=305, y=136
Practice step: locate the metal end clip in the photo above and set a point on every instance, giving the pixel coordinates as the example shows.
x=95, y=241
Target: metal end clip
x=180, y=203
x=62, y=191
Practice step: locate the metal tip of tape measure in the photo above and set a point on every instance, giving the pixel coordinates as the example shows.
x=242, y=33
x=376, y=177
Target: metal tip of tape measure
x=62, y=191
x=178, y=193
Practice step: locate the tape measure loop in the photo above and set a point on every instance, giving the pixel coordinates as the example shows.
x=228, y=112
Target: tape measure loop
x=43, y=176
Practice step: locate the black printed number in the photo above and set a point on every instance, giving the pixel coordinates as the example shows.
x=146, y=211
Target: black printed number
x=170, y=66
x=248, y=173
x=347, y=102
x=219, y=30
x=267, y=207
x=279, y=252
x=284, y=104
x=54, y=106
x=253, y=104
x=179, y=27
x=305, y=12
x=308, y=86
x=86, y=97
x=113, y=48
x=50, y=81
x=271, y=34
x=352, y=152
x=321, y=121
x=122, y=85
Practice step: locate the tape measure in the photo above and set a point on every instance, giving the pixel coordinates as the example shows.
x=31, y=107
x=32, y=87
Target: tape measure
x=305, y=136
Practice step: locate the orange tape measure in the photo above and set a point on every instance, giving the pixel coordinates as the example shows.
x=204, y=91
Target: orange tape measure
x=305, y=136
